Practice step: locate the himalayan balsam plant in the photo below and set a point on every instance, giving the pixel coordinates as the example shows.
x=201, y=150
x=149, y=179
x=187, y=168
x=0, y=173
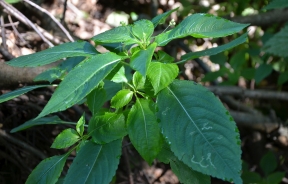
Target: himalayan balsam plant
x=174, y=121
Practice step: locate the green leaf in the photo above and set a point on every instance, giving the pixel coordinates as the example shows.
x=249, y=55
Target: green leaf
x=238, y=60
x=262, y=71
x=57, y=72
x=160, y=19
x=65, y=139
x=144, y=130
x=53, y=54
x=120, y=76
x=248, y=73
x=120, y=34
x=215, y=50
x=268, y=163
x=48, y=170
x=200, y=26
x=161, y=75
x=138, y=80
x=40, y=121
x=275, y=177
x=94, y=163
x=80, y=125
x=13, y=94
x=140, y=60
x=250, y=177
x=122, y=98
x=278, y=43
x=275, y=4
x=108, y=127
x=111, y=88
x=12, y=1
x=163, y=57
x=96, y=99
x=184, y=173
x=80, y=82
x=211, y=76
x=219, y=58
x=283, y=77
x=143, y=29
x=200, y=131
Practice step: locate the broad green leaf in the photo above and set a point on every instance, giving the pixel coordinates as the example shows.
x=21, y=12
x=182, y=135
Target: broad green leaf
x=108, y=127
x=81, y=81
x=140, y=60
x=120, y=34
x=94, y=163
x=283, y=77
x=248, y=73
x=200, y=131
x=111, y=88
x=219, y=58
x=12, y=1
x=163, y=57
x=238, y=60
x=13, y=94
x=80, y=125
x=262, y=71
x=120, y=76
x=143, y=29
x=59, y=71
x=40, y=121
x=160, y=19
x=275, y=177
x=275, y=4
x=161, y=75
x=250, y=177
x=122, y=98
x=79, y=48
x=65, y=139
x=277, y=45
x=138, y=80
x=117, y=47
x=268, y=163
x=215, y=50
x=184, y=173
x=48, y=170
x=200, y=26
x=143, y=129
x=96, y=99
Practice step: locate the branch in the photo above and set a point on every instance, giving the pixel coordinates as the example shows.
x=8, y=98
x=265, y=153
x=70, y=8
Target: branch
x=237, y=91
x=263, y=19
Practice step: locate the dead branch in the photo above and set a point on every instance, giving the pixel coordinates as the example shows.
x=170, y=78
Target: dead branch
x=256, y=94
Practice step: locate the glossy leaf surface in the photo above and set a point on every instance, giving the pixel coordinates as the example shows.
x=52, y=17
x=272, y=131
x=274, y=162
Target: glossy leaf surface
x=200, y=25
x=65, y=139
x=199, y=128
x=94, y=163
x=80, y=125
x=160, y=19
x=143, y=29
x=140, y=60
x=122, y=98
x=161, y=75
x=96, y=99
x=73, y=89
x=50, y=55
x=108, y=127
x=143, y=129
x=215, y=50
x=48, y=171
x=13, y=94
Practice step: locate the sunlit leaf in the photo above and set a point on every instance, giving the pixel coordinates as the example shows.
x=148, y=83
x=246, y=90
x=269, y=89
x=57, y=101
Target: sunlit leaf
x=79, y=48
x=94, y=163
x=143, y=129
x=120, y=76
x=143, y=29
x=199, y=128
x=65, y=139
x=200, y=25
x=80, y=82
x=275, y=4
x=122, y=98
x=80, y=125
x=13, y=94
x=160, y=19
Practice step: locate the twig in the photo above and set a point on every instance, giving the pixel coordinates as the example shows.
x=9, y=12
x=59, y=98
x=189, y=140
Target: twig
x=62, y=20
x=126, y=158
x=13, y=11
x=3, y=33
x=22, y=144
x=16, y=31
x=237, y=105
x=237, y=91
x=52, y=17
x=6, y=54
x=10, y=24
